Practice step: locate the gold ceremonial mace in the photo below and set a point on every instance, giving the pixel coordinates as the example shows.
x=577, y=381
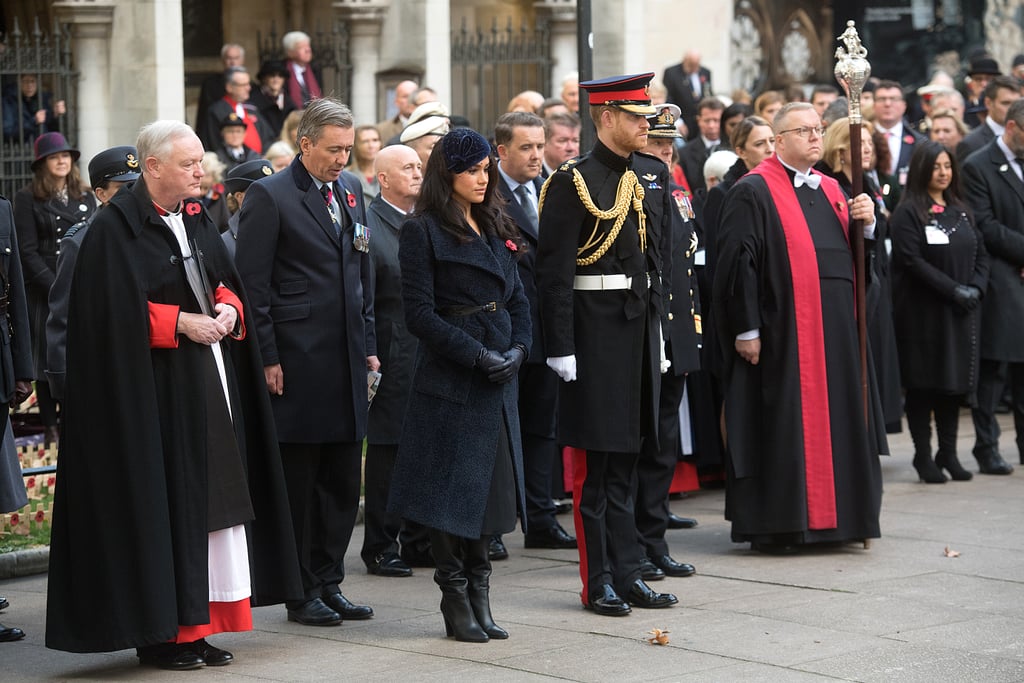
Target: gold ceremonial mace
x=852, y=70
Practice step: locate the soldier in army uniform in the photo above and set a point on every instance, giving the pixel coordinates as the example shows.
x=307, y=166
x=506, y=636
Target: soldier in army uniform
x=602, y=274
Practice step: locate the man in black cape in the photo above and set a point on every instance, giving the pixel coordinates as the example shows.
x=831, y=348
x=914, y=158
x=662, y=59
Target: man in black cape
x=802, y=466
x=170, y=512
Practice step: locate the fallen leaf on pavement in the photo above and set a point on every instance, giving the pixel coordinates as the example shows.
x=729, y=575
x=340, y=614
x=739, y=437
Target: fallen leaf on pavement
x=951, y=553
x=658, y=637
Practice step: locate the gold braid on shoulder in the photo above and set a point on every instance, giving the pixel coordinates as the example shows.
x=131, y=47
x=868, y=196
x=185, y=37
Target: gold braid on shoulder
x=630, y=194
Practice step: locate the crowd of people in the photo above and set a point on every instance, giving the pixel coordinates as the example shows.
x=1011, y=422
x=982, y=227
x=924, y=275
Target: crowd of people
x=684, y=289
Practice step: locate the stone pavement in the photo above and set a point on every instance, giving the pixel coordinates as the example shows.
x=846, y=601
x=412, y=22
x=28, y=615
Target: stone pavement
x=900, y=611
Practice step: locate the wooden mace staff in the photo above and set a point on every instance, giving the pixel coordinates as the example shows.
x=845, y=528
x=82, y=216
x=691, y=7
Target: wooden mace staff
x=852, y=71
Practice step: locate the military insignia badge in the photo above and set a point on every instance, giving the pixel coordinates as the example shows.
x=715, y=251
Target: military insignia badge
x=267, y=170
x=130, y=161
x=649, y=177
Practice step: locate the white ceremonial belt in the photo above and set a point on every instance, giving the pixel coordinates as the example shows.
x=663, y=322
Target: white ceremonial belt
x=603, y=282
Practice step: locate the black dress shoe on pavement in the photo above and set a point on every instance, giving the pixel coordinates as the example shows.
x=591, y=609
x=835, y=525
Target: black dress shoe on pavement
x=650, y=571
x=993, y=463
x=672, y=568
x=555, y=538
x=4, y=604
x=677, y=522
x=340, y=604
x=314, y=613
x=170, y=656
x=211, y=656
x=605, y=601
x=10, y=634
x=641, y=595
x=496, y=549
x=563, y=506
x=389, y=564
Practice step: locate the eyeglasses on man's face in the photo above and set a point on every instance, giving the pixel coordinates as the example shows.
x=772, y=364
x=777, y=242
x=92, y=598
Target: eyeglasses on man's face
x=805, y=131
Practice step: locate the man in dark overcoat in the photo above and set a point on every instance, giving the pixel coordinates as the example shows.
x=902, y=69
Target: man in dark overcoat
x=399, y=172
x=602, y=274
x=165, y=424
x=302, y=252
x=15, y=373
x=520, y=141
x=992, y=180
x=802, y=466
x=1000, y=93
x=688, y=83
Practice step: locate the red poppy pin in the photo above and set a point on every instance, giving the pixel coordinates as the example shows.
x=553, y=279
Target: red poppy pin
x=677, y=194
x=936, y=209
x=511, y=245
x=350, y=199
x=909, y=139
x=193, y=208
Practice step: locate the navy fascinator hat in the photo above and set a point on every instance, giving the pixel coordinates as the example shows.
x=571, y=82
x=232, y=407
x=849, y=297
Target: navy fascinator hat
x=464, y=148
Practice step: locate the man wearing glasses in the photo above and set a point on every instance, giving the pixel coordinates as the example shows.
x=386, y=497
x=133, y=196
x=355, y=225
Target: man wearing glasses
x=803, y=468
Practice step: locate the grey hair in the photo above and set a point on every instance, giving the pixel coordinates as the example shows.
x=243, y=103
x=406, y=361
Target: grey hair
x=325, y=111
x=157, y=138
x=293, y=38
x=786, y=110
x=228, y=46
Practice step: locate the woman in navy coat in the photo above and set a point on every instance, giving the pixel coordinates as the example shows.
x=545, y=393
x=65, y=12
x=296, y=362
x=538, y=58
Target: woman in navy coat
x=459, y=469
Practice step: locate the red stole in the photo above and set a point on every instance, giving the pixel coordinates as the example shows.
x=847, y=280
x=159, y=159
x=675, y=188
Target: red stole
x=803, y=263
x=252, y=135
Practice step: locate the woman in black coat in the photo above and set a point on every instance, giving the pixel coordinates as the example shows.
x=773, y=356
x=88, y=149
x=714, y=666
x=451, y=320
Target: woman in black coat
x=43, y=211
x=459, y=465
x=940, y=271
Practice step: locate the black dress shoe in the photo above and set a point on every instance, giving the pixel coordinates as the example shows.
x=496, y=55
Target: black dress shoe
x=993, y=463
x=389, y=564
x=672, y=568
x=650, y=571
x=314, y=613
x=496, y=549
x=417, y=559
x=340, y=604
x=641, y=595
x=212, y=656
x=677, y=522
x=563, y=506
x=9, y=634
x=170, y=656
x=605, y=601
x=555, y=537
x=4, y=604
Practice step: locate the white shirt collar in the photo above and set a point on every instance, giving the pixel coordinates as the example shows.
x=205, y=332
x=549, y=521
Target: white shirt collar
x=996, y=128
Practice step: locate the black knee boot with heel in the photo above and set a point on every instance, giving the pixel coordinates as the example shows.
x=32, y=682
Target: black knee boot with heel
x=478, y=572
x=450, y=576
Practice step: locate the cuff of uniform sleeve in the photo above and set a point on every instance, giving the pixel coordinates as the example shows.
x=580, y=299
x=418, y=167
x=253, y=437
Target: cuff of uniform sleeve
x=163, y=325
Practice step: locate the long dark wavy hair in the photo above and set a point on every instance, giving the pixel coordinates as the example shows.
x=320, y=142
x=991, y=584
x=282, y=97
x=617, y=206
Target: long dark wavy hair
x=436, y=201
x=919, y=175
x=44, y=185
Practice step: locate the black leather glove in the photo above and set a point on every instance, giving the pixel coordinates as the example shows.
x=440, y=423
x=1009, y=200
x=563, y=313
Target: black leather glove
x=491, y=362
x=966, y=298
x=515, y=357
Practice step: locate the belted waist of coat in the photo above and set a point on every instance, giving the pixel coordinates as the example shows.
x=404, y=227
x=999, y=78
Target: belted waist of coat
x=489, y=307
x=596, y=283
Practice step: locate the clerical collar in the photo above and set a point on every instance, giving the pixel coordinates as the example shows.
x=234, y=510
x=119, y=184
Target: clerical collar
x=161, y=211
x=610, y=158
x=793, y=168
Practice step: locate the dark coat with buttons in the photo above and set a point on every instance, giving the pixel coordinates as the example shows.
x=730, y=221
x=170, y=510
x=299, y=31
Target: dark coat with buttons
x=41, y=226
x=996, y=196
x=453, y=422
x=311, y=300
x=613, y=333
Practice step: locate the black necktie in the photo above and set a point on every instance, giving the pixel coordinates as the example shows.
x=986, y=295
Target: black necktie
x=527, y=203
x=328, y=194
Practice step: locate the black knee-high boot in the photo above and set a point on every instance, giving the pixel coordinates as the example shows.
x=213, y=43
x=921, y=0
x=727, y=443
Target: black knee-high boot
x=918, y=407
x=478, y=571
x=450, y=576
x=947, y=416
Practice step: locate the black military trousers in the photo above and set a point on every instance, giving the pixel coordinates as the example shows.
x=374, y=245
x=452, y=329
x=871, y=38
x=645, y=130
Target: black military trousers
x=993, y=376
x=603, y=486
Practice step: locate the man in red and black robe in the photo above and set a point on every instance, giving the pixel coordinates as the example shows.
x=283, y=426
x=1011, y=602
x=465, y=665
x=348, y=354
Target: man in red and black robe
x=803, y=467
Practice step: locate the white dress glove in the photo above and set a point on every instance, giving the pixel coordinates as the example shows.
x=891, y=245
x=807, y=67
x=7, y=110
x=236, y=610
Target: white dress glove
x=663, y=361
x=564, y=367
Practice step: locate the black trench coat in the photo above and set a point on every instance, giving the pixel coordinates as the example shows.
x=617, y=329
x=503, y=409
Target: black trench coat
x=449, y=442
